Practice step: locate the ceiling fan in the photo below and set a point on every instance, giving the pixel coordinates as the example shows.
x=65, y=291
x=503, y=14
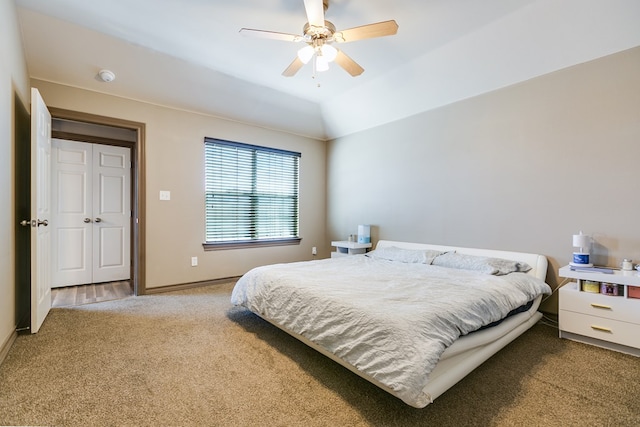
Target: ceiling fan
x=319, y=35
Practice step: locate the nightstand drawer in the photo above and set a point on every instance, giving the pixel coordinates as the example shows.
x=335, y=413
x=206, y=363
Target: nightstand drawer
x=606, y=306
x=600, y=328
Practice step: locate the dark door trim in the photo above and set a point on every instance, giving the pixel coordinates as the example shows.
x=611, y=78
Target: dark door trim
x=138, y=217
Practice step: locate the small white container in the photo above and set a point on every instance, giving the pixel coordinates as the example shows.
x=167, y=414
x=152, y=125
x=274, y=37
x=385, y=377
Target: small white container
x=627, y=265
x=364, y=234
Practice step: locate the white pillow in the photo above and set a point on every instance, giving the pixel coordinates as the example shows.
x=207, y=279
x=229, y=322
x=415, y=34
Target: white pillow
x=487, y=265
x=392, y=253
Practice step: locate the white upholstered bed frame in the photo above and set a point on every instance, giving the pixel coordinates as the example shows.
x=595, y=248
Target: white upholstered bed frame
x=469, y=351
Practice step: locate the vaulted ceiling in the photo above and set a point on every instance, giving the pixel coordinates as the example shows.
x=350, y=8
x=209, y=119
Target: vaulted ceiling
x=189, y=54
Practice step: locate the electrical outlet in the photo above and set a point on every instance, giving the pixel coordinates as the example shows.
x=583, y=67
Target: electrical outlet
x=314, y=251
x=165, y=195
x=194, y=261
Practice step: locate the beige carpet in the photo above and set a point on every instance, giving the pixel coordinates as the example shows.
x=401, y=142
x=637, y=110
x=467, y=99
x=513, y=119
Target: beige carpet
x=189, y=358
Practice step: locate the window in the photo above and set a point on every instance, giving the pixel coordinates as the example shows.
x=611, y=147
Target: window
x=251, y=195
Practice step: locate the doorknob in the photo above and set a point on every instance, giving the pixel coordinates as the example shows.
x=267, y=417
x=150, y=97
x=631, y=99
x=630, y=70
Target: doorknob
x=25, y=223
x=87, y=220
x=98, y=220
x=45, y=223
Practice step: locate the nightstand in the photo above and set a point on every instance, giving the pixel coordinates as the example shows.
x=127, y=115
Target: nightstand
x=344, y=248
x=609, y=318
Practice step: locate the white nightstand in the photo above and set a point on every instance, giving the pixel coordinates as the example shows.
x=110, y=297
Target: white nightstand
x=344, y=248
x=601, y=319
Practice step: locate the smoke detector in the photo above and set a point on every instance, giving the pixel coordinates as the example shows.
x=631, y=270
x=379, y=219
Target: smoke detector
x=106, y=76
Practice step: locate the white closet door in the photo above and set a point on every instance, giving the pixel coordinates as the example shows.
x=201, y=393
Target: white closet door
x=111, y=213
x=91, y=201
x=72, y=205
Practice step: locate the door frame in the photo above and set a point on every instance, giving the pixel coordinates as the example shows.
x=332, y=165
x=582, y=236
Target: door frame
x=138, y=184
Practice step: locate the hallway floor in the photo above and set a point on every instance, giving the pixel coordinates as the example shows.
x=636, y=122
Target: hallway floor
x=86, y=294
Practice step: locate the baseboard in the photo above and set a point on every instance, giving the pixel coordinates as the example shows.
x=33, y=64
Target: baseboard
x=191, y=285
x=6, y=346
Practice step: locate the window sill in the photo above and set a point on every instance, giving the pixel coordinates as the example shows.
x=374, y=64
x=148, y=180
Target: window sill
x=243, y=244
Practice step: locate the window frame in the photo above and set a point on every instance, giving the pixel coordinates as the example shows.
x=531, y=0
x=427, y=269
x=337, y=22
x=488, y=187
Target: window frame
x=253, y=242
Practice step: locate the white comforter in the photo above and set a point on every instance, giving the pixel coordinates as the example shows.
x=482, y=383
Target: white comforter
x=388, y=319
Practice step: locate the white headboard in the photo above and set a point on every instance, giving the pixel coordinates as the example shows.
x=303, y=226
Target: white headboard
x=537, y=262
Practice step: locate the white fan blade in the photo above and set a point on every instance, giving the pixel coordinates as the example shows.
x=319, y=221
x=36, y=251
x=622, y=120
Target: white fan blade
x=293, y=68
x=348, y=64
x=315, y=12
x=270, y=35
x=379, y=29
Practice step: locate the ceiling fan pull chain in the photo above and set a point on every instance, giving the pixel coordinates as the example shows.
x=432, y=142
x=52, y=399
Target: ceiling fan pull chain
x=313, y=65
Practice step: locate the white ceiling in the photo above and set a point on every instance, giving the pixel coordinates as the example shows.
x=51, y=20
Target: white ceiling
x=188, y=54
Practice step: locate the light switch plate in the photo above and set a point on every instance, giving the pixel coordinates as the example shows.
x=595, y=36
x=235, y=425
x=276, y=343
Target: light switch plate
x=165, y=195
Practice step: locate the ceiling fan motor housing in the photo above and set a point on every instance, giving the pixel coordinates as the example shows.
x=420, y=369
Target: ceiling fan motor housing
x=311, y=32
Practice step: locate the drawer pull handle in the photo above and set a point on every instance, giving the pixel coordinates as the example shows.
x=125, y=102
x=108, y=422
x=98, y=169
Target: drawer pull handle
x=600, y=328
x=606, y=307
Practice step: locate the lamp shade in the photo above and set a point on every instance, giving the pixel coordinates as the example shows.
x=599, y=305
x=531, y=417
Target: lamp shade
x=321, y=63
x=305, y=54
x=329, y=52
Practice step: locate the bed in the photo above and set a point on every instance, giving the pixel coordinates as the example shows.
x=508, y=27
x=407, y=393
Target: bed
x=412, y=318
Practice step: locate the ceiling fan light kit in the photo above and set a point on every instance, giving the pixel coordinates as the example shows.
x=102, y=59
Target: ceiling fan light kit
x=305, y=54
x=319, y=35
x=321, y=63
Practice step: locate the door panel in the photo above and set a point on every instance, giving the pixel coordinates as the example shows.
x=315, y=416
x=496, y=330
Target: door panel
x=112, y=206
x=73, y=243
x=71, y=183
x=111, y=250
x=40, y=211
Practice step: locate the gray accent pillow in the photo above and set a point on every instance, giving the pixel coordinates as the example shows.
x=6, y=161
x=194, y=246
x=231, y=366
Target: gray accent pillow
x=487, y=265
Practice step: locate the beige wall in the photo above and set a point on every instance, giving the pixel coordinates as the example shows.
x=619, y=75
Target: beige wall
x=522, y=168
x=13, y=79
x=175, y=162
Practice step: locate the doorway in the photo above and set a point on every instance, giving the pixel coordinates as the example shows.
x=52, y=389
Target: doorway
x=91, y=213
x=99, y=131
x=73, y=126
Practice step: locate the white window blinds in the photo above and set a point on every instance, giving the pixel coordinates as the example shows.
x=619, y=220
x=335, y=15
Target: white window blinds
x=251, y=194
